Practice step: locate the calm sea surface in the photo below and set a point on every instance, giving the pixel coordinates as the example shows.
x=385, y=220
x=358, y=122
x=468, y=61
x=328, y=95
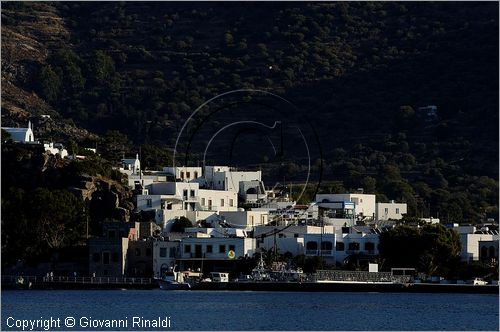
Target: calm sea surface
x=202, y=310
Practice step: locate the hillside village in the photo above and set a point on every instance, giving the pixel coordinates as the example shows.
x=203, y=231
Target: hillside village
x=219, y=218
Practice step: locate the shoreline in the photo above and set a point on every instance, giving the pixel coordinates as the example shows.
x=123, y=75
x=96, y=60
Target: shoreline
x=276, y=287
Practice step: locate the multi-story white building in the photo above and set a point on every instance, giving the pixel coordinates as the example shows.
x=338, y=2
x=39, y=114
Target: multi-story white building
x=172, y=200
x=364, y=204
x=217, y=200
x=392, y=210
x=164, y=255
x=184, y=173
x=217, y=248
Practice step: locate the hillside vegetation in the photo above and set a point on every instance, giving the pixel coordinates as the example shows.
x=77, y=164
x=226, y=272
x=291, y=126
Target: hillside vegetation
x=358, y=71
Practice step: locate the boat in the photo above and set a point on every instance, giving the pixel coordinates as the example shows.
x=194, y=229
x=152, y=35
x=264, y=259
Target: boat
x=173, y=280
x=260, y=273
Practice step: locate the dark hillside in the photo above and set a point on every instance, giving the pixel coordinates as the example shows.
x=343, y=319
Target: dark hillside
x=358, y=71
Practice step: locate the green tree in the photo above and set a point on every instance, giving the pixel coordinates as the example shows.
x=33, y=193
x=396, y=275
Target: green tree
x=116, y=144
x=431, y=249
x=103, y=66
x=50, y=83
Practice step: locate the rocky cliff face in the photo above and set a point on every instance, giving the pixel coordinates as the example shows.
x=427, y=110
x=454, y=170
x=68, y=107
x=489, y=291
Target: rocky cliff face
x=106, y=198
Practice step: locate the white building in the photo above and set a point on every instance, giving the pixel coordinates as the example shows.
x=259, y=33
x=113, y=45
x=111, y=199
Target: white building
x=172, y=200
x=184, y=173
x=164, y=255
x=245, y=219
x=386, y=211
x=476, y=246
x=223, y=178
x=364, y=203
x=217, y=248
x=56, y=148
x=216, y=200
x=21, y=135
x=131, y=166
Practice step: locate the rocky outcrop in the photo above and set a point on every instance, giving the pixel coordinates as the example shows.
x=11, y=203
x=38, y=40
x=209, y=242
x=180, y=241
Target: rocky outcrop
x=107, y=199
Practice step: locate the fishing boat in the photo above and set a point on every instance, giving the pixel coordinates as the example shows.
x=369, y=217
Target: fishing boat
x=173, y=280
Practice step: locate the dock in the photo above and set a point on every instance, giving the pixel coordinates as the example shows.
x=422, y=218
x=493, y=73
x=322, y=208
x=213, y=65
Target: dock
x=61, y=282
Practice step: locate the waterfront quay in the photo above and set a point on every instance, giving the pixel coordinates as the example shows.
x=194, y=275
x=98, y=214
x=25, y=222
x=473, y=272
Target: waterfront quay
x=60, y=282
x=33, y=282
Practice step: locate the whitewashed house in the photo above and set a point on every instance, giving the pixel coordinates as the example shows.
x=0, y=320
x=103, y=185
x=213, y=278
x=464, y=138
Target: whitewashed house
x=392, y=210
x=164, y=255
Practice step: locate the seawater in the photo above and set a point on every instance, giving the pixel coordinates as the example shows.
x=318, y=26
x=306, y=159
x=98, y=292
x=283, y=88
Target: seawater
x=224, y=310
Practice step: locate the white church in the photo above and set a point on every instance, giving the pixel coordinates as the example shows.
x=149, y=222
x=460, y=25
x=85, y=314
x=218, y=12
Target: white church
x=25, y=135
x=21, y=135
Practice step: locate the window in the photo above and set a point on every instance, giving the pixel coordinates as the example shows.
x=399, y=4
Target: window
x=231, y=202
x=296, y=235
x=191, y=193
x=195, y=175
x=231, y=247
x=209, y=248
x=353, y=246
x=397, y=210
x=185, y=193
x=202, y=202
x=115, y=257
x=222, y=249
x=137, y=251
x=311, y=245
x=221, y=202
x=369, y=246
x=163, y=252
x=262, y=220
x=105, y=257
x=96, y=257
x=188, y=175
x=172, y=253
x=148, y=252
x=149, y=202
x=169, y=206
x=386, y=210
x=209, y=203
x=187, y=248
x=182, y=175
x=339, y=246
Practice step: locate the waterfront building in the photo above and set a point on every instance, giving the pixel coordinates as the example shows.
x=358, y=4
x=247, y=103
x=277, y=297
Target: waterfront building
x=165, y=253
x=478, y=246
x=108, y=253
